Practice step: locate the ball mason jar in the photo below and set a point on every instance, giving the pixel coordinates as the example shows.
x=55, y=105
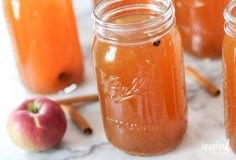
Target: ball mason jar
x=201, y=26
x=138, y=61
x=229, y=73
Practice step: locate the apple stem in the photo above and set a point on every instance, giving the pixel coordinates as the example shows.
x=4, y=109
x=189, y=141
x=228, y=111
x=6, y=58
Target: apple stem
x=34, y=107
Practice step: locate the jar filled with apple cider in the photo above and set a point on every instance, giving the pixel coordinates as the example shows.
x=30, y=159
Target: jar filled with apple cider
x=201, y=26
x=48, y=52
x=229, y=74
x=139, y=66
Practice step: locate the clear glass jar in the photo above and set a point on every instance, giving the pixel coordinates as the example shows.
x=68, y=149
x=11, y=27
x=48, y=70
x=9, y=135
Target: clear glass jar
x=138, y=61
x=48, y=51
x=229, y=74
x=201, y=26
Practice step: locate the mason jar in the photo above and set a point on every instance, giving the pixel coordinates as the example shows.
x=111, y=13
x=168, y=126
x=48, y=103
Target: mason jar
x=229, y=74
x=138, y=60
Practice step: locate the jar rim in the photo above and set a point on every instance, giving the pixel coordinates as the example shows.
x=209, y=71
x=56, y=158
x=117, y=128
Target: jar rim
x=230, y=18
x=166, y=17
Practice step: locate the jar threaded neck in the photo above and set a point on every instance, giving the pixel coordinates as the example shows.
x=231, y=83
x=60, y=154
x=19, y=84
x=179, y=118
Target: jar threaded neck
x=148, y=30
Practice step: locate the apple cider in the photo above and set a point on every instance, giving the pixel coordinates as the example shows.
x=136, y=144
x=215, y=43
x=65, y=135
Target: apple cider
x=201, y=26
x=139, y=66
x=229, y=73
x=48, y=52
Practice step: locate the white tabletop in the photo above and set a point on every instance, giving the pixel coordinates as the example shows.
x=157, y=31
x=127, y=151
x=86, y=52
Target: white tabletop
x=205, y=138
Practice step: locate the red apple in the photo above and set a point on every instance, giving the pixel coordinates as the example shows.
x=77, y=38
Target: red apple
x=37, y=124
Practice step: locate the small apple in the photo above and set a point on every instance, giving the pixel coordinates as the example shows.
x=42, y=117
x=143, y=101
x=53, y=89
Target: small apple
x=37, y=125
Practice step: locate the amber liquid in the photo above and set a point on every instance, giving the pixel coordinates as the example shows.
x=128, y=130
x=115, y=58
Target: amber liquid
x=229, y=68
x=201, y=25
x=142, y=92
x=48, y=54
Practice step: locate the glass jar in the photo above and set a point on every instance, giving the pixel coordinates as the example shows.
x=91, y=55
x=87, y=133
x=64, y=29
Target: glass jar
x=138, y=61
x=201, y=26
x=229, y=74
x=48, y=52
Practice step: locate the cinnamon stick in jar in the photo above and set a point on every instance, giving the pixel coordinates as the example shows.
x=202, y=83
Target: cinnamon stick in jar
x=201, y=80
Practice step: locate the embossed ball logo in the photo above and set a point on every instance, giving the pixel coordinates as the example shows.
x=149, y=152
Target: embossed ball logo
x=116, y=91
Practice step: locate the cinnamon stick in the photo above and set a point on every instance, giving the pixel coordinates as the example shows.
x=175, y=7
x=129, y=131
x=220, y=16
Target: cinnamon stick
x=78, y=119
x=205, y=83
x=78, y=99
